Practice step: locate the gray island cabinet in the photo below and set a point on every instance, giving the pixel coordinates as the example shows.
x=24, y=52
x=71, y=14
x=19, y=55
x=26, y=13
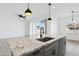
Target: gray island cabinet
x=62, y=46
x=55, y=48
x=38, y=52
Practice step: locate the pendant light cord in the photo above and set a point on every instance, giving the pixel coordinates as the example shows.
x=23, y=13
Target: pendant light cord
x=49, y=9
x=28, y=5
x=72, y=16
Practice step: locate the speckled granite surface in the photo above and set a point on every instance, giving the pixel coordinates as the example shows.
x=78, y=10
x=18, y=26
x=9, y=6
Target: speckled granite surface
x=4, y=48
x=21, y=45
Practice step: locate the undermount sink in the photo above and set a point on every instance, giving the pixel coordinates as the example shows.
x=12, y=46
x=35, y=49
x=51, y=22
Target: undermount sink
x=45, y=39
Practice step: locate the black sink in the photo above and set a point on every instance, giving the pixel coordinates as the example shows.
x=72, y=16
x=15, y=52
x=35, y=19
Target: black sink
x=45, y=39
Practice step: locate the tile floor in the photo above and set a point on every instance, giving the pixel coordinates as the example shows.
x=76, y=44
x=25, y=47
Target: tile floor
x=72, y=48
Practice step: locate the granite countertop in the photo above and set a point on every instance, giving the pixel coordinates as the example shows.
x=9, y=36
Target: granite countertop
x=23, y=45
x=27, y=45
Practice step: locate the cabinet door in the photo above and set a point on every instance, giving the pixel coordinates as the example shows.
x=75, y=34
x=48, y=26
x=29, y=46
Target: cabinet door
x=55, y=51
x=62, y=46
x=52, y=52
x=51, y=49
x=37, y=53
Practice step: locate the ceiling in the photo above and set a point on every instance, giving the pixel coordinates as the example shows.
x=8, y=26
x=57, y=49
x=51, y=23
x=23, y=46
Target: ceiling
x=39, y=9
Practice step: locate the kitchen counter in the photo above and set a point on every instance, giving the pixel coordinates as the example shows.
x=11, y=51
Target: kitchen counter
x=23, y=45
x=27, y=45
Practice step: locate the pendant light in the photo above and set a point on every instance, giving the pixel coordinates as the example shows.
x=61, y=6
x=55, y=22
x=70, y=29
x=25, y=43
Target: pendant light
x=72, y=16
x=70, y=25
x=73, y=25
x=28, y=12
x=49, y=12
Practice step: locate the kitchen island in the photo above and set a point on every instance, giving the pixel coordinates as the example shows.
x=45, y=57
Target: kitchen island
x=30, y=46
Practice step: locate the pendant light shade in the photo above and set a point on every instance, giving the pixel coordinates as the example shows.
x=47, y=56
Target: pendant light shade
x=49, y=12
x=49, y=18
x=28, y=12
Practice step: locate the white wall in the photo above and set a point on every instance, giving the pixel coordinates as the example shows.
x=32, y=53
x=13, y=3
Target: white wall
x=54, y=27
x=11, y=26
x=61, y=26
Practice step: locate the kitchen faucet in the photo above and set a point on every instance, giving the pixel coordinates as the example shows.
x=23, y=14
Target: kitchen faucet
x=41, y=32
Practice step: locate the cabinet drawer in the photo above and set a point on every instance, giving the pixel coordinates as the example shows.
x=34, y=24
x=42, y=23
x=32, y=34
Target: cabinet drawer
x=51, y=52
x=49, y=46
